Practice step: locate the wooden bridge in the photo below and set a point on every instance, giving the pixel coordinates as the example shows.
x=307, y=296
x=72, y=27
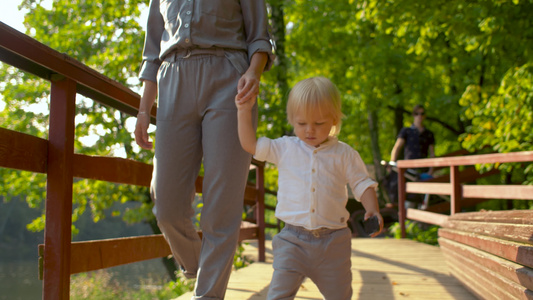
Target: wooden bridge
x=381, y=268
x=490, y=254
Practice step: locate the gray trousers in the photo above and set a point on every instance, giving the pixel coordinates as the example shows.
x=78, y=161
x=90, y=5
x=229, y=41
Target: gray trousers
x=322, y=255
x=197, y=119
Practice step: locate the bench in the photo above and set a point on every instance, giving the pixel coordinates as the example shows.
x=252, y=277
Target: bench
x=491, y=252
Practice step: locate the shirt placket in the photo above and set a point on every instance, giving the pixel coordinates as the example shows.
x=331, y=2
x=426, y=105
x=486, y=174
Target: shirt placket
x=187, y=18
x=314, y=189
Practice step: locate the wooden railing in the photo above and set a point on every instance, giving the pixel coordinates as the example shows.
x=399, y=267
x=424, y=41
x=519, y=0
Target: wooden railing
x=489, y=252
x=55, y=157
x=459, y=193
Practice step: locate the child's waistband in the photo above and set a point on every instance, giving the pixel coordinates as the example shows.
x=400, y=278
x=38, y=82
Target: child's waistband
x=320, y=232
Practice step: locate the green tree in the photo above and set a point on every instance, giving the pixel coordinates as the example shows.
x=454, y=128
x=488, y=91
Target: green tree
x=99, y=35
x=469, y=63
x=499, y=104
x=366, y=47
x=387, y=56
x=108, y=38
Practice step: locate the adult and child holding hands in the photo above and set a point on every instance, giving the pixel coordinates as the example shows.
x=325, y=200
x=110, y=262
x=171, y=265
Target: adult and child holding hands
x=203, y=61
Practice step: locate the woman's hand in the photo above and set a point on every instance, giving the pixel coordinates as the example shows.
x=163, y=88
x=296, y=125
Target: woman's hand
x=248, y=85
x=141, y=131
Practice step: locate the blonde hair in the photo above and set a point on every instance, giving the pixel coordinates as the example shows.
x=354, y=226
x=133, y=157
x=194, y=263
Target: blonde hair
x=316, y=93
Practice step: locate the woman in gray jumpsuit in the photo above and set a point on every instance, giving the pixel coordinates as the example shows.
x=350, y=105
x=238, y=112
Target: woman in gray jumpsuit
x=198, y=56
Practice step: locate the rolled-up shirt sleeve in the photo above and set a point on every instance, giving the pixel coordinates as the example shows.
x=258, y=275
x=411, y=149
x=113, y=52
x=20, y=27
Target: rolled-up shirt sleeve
x=155, y=27
x=360, y=187
x=357, y=174
x=262, y=149
x=256, y=27
x=148, y=71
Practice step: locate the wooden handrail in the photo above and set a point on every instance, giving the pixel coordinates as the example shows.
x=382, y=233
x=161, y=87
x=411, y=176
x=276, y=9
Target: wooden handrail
x=455, y=186
x=467, y=160
x=27, y=54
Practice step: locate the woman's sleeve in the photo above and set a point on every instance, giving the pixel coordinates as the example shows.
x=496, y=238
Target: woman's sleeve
x=258, y=38
x=152, y=43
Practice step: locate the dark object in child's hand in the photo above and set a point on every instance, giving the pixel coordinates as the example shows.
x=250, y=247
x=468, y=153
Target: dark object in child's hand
x=371, y=225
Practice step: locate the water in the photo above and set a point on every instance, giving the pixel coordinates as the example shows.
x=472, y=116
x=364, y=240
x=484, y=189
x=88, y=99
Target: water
x=19, y=268
x=19, y=280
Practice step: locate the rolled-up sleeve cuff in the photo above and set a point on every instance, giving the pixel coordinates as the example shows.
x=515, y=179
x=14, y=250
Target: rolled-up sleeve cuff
x=262, y=149
x=362, y=186
x=148, y=71
x=262, y=46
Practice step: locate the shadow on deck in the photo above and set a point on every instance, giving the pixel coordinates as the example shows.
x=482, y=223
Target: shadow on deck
x=381, y=268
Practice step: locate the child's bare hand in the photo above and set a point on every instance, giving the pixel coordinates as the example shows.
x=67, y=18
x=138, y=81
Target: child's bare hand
x=244, y=105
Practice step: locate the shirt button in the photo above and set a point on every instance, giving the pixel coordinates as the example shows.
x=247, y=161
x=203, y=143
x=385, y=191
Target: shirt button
x=313, y=210
x=186, y=25
x=189, y=12
x=314, y=152
x=313, y=190
x=313, y=171
x=186, y=40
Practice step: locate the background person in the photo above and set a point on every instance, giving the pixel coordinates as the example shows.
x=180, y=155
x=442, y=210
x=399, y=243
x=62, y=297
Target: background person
x=417, y=142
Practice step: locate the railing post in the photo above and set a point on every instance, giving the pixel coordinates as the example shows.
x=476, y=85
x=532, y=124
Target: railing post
x=260, y=209
x=457, y=193
x=57, y=232
x=401, y=200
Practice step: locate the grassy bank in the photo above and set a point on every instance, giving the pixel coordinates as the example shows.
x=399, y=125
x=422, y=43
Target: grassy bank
x=102, y=285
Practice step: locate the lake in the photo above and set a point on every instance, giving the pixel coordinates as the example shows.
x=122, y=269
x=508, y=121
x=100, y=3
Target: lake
x=19, y=280
x=18, y=248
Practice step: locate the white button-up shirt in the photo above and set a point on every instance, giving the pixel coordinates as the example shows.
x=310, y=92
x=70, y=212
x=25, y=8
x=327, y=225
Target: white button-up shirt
x=312, y=181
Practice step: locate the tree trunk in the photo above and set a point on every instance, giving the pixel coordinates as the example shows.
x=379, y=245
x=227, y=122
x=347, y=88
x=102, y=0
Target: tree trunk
x=398, y=118
x=278, y=36
x=376, y=153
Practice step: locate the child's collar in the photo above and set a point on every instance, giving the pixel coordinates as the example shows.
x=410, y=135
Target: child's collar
x=329, y=141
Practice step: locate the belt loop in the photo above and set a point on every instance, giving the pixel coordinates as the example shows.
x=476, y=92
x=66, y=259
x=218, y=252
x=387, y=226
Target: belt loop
x=175, y=56
x=171, y=57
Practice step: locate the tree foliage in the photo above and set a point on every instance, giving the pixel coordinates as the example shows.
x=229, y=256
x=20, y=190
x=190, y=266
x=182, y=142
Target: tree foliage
x=101, y=35
x=469, y=63
x=456, y=58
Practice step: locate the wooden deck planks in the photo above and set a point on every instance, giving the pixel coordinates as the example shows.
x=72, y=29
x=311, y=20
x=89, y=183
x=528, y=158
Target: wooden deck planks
x=381, y=268
x=491, y=252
